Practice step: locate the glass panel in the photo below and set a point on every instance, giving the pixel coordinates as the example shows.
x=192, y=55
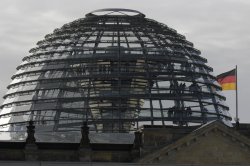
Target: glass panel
x=13, y=136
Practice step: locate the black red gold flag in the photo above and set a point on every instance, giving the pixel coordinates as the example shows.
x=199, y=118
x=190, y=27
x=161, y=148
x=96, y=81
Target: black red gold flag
x=227, y=80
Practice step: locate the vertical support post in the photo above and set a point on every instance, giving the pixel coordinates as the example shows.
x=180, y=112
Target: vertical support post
x=30, y=151
x=85, y=153
x=136, y=151
x=85, y=142
x=30, y=133
x=138, y=140
x=237, y=115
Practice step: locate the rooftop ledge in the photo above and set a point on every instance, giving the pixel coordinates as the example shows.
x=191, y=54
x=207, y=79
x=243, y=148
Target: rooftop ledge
x=115, y=11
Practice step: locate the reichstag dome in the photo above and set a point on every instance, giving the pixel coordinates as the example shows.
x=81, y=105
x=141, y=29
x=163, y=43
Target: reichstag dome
x=116, y=70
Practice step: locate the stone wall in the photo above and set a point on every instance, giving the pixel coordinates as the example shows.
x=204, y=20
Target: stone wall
x=155, y=137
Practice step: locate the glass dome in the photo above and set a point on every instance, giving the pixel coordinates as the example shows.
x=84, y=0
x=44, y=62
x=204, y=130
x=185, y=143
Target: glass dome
x=115, y=70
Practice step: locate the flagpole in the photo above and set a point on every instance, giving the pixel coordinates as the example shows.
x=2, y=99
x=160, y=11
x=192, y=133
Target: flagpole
x=237, y=115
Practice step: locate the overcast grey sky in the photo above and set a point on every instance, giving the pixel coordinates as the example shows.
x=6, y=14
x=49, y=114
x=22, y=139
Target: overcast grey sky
x=219, y=28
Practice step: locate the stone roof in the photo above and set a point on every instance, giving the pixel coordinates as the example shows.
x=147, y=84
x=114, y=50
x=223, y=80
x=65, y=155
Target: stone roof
x=228, y=139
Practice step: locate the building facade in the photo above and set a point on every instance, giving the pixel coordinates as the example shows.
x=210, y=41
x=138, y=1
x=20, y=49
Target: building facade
x=118, y=87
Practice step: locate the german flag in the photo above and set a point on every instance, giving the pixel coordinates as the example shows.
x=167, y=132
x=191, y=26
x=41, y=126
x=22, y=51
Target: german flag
x=227, y=80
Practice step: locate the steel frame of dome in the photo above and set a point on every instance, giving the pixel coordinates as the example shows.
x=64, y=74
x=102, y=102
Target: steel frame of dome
x=115, y=71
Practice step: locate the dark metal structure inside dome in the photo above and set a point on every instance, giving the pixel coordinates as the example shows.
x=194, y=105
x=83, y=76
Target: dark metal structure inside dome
x=115, y=70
